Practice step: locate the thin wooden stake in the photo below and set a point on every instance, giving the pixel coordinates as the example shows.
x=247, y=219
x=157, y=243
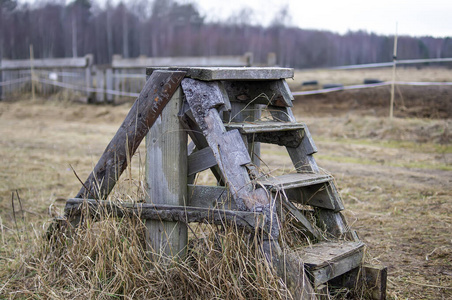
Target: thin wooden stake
x=394, y=60
x=32, y=73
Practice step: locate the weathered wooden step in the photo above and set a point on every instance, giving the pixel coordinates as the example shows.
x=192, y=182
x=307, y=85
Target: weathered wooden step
x=229, y=73
x=258, y=127
x=327, y=260
x=291, y=181
x=289, y=134
x=307, y=188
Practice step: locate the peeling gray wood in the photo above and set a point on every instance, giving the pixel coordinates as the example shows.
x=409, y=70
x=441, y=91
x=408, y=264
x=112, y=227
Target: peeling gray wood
x=164, y=213
x=199, y=140
x=327, y=260
x=210, y=197
x=144, y=112
x=267, y=93
x=230, y=73
x=227, y=147
x=166, y=177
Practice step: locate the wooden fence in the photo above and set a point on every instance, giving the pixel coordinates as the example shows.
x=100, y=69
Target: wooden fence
x=124, y=77
x=49, y=75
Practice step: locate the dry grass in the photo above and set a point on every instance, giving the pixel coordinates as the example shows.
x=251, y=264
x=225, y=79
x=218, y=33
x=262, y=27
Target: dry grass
x=352, y=77
x=394, y=178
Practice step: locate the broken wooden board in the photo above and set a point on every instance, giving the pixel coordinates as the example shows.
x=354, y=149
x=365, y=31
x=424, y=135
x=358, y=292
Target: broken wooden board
x=162, y=212
x=327, y=260
x=275, y=93
x=156, y=93
x=230, y=73
x=317, y=190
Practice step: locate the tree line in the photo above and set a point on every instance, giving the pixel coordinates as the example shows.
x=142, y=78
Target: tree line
x=169, y=28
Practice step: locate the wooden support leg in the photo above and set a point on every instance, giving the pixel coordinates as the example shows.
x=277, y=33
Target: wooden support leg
x=166, y=179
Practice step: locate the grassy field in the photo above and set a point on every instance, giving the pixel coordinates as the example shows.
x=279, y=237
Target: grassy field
x=395, y=178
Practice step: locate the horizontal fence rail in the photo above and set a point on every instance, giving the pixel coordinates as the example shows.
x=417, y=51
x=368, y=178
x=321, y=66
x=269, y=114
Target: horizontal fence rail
x=365, y=86
x=390, y=64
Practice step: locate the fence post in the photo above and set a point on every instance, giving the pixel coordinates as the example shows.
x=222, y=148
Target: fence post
x=166, y=179
x=88, y=75
x=32, y=74
x=109, y=84
x=1, y=78
x=100, y=89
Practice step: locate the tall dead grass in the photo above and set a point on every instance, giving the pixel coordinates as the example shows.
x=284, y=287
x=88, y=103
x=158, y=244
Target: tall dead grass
x=109, y=259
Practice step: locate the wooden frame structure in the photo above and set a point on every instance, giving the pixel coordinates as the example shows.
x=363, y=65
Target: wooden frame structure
x=221, y=110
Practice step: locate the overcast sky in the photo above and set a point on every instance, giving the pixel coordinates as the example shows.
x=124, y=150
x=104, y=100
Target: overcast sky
x=416, y=18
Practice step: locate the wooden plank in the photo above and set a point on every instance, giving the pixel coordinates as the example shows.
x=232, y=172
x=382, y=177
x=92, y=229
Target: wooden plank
x=182, y=61
x=166, y=178
x=327, y=260
x=291, y=181
x=230, y=73
x=274, y=92
x=201, y=160
x=48, y=63
x=210, y=197
x=260, y=126
x=161, y=212
x=144, y=112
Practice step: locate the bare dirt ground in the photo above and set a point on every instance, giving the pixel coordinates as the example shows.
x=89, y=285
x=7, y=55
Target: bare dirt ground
x=395, y=176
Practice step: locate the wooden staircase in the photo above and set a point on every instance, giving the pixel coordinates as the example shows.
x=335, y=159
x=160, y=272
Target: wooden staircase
x=228, y=113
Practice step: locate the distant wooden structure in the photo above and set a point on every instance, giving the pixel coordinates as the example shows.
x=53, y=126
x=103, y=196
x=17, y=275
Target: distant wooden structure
x=127, y=75
x=49, y=74
x=220, y=109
